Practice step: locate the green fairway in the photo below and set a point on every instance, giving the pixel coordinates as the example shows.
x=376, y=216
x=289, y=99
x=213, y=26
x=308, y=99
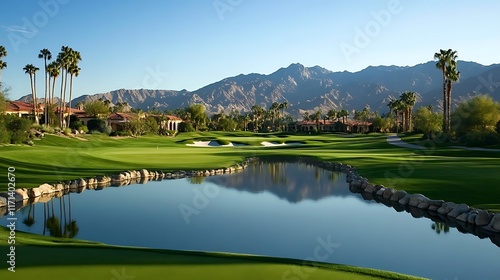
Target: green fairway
x=40, y=257
x=438, y=172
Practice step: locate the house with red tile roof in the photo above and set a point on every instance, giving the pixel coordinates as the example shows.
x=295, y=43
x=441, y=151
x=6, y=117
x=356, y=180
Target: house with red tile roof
x=333, y=126
x=21, y=109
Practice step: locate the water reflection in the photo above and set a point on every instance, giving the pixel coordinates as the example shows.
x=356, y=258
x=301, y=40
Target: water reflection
x=291, y=182
x=59, y=220
x=440, y=227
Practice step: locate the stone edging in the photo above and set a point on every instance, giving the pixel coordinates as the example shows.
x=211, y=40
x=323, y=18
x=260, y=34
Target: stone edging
x=47, y=191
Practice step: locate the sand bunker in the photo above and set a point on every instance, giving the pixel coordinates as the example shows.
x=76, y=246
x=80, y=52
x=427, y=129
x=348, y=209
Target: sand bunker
x=212, y=144
x=216, y=144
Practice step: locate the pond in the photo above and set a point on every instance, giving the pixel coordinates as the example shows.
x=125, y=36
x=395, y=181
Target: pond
x=280, y=209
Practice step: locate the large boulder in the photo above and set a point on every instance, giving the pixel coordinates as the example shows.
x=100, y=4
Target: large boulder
x=46, y=189
x=380, y=191
x=459, y=210
x=446, y=208
x=483, y=218
x=370, y=188
x=495, y=222
x=463, y=217
x=398, y=195
x=81, y=182
x=405, y=200
x=34, y=192
x=144, y=173
x=21, y=194
x=416, y=199
x=3, y=201
x=117, y=178
x=424, y=205
x=388, y=193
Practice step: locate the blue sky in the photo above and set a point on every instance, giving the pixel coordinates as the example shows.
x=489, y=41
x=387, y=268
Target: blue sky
x=187, y=44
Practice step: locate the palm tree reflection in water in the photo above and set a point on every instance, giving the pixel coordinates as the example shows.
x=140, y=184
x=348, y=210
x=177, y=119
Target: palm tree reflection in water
x=69, y=228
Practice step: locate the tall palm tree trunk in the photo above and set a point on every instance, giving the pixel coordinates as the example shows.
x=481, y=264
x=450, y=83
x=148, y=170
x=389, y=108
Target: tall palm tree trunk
x=445, y=103
x=448, y=106
x=61, y=100
x=47, y=85
x=70, y=94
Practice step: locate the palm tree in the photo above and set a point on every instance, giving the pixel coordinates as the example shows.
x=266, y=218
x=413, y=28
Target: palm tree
x=306, y=117
x=3, y=64
x=452, y=76
x=343, y=114
x=317, y=117
x=257, y=112
x=74, y=71
x=409, y=98
x=282, y=107
x=64, y=60
x=31, y=70
x=54, y=70
x=332, y=114
x=46, y=55
x=397, y=107
x=392, y=108
x=445, y=58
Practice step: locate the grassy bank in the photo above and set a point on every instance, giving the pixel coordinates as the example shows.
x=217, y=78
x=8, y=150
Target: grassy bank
x=41, y=257
x=438, y=172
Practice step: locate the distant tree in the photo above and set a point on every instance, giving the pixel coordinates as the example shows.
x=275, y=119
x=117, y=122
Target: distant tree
x=3, y=64
x=480, y=113
x=381, y=124
x=427, y=121
x=317, y=117
x=452, y=76
x=46, y=55
x=152, y=125
x=197, y=115
x=257, y=113
x=96, y=108
x=53, y=70
x=306, y=117
x=408, y=98
x=185, y=127
x=444, y=59
x=344, y=114
x=30, y=69
x=332, y=114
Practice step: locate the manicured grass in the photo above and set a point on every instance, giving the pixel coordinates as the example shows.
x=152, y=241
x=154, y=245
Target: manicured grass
x=438, y=172
x=41, y=257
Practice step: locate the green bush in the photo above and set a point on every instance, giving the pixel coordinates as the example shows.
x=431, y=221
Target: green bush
x=47, y=129
x=98, y=125
x=479, y=138
x=67, y=131
x=120, y=133
x=14, y=130
x=186, y=127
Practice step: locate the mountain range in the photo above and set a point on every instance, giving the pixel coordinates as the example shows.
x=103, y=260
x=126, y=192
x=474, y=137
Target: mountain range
x=316, y=88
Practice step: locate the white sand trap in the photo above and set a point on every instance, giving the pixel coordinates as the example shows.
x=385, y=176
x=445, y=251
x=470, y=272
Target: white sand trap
x=212, y=144
x=275, y=144
x=216, y=144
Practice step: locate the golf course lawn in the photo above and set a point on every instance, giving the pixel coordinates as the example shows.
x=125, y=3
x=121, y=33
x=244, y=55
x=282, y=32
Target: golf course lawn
x=42, y=257
x=438, y=172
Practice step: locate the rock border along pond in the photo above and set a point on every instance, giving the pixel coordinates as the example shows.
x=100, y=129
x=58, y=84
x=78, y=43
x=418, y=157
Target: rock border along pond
x=466, y=219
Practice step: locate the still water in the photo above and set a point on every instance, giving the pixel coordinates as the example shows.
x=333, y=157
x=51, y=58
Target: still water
x=288, y=210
